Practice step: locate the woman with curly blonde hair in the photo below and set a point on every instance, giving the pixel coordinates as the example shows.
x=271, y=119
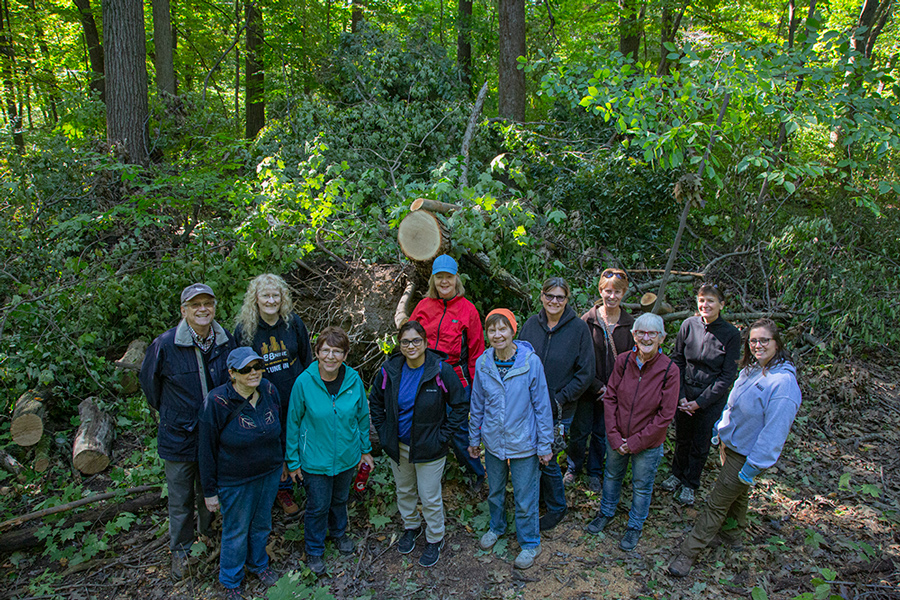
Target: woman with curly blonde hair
x=267, y=324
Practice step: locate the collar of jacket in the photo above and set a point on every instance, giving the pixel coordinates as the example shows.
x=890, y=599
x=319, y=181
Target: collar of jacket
x=183, y=334
x=523, y=349
x=312, y=371
x=393, y=366
x=263, y=325
x=568, y=315
x=652, y=359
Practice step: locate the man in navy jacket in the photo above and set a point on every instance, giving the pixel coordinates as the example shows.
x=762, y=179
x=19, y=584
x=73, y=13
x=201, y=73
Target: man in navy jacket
x=181, y=367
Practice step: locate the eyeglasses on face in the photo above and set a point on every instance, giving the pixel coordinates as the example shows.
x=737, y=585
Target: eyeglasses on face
x=645, y=334
x=337, y=353
x=271, y=296
x=759, y=341
x=198, y=305
x=257, y=366
x=413, y=343
x=554, y=297
x=610, y=274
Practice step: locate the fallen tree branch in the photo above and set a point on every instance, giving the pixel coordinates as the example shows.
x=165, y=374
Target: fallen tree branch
x=470, y=132
x=732, y=317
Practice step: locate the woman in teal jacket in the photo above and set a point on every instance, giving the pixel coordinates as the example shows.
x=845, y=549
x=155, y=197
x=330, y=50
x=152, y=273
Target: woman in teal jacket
x=327, y=441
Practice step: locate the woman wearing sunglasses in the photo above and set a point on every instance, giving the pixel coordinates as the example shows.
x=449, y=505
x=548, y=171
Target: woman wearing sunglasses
x=563, y=343
x=241, y=457
x=752, y=431
x=418, y=404
x=327, y=442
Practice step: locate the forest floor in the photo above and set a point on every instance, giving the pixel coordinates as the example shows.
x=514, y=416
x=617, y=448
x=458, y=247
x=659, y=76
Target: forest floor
x=823, y=522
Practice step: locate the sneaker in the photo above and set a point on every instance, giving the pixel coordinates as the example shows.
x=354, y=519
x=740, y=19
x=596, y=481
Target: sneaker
x=670, y=484
x=525, y=559
x=408, y=541
x=551, y=520
x=316, y=564
x=431, y=554
x=569, y=478
x=286, y=502
x=685, y=496
x=630, y=539
x=595, y=484
x=598, y=524
x=345, y=544
x=179, y=566
x=681, y=566
x=488, y=540
x=232, y=594
x=268, y=576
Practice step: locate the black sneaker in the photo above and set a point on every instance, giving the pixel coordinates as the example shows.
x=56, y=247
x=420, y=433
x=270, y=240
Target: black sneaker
x=431, y=554
x=408, y=541
x=316, y=564
x=598, y=524
x=551, y=520
x=630, y=539
x=345, y=544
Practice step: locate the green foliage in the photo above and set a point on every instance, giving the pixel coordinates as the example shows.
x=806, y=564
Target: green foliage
x=293, y=585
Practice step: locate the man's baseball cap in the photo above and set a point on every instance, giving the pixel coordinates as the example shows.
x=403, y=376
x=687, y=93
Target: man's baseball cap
x=195, y=289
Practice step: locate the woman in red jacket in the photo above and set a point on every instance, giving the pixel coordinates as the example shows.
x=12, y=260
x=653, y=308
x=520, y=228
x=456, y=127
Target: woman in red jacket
x=640, y=402
x=454, y=327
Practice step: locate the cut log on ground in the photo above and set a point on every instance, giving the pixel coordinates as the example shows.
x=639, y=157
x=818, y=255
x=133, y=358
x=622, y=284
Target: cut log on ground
x=28, y=418
x=93, y=442
x=422, y=236
x=443, y=208
x=42, y=454
x=401, y=315
x=130, y=364
x=27, y=538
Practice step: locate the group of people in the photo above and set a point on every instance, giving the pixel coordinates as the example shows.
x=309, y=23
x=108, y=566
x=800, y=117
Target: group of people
x=245, y=417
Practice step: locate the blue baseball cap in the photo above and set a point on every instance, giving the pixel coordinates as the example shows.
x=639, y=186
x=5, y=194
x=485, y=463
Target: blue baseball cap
x=241, y=357
x=444, y=264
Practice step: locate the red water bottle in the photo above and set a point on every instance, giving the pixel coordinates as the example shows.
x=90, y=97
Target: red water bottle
x=359, y=484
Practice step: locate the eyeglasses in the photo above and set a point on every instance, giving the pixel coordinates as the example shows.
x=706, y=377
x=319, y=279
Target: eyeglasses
x=198, y=305
x=611, y=274
x=759, y=341
x=335, y=353
x=555, y=298
x=257, y=366
x=413, y=343
x=275, y=296
x=645, y=334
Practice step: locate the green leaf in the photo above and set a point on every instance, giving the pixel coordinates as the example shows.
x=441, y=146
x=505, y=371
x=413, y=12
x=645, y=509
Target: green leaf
x=844, y=482
x=758, y=593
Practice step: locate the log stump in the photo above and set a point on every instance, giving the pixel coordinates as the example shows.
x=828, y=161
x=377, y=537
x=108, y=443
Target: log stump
x=422, y=236
x=93, y=442
x=28, y=418
x=130, y=365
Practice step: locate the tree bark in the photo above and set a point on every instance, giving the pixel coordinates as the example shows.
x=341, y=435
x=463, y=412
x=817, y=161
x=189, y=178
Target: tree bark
x=255, y=79
x=164, y=46
x=511, y=84
x=93, y=441
x=464, y=42
x=127, y=111
x=130, y=364
x=95, y=49
x=629, y=29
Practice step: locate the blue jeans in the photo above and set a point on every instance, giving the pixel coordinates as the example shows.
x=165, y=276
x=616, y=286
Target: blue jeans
x=246, y=524
x=587, y=423
x=524, y=473
x=326, y=508
x=459, y=443
x=643, y=472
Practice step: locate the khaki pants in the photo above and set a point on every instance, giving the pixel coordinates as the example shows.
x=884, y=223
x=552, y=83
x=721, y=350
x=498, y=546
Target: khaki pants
x=420, y=482
x=729, y=498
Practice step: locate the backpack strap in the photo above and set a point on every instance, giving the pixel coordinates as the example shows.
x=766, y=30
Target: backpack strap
x=438, y=379
x=235, y=413
x=384, y=379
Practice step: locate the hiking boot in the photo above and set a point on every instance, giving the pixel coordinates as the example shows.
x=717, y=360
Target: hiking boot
x=670, y=484
x=595, y=484
x=551, y=520
x=730, y=543
x=685, y=496
x=345, y=544
x=408, y=541
x=179, y=566
x=569, y=478
x=681, y=566
x=598, y=524
x=232, y=593
x=431, y=554
x=525, y=559
x=268, y=576
x=488, y=540
x=284, y=499
x=316, y=564
x=630, y=539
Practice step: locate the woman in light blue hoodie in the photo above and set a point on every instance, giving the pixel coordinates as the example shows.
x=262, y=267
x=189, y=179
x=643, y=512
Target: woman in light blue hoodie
x=752, y=431
x=510, y=413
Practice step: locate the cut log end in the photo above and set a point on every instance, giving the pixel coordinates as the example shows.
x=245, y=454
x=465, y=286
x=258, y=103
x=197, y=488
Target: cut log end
x=27, y=430
x=93, y=441
x=422, y=236
x=91, y=462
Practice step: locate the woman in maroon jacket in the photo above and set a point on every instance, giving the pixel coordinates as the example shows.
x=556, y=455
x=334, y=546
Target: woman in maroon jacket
x=640, y=402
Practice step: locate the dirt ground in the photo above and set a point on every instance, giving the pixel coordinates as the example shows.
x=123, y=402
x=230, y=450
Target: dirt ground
x=823, y=522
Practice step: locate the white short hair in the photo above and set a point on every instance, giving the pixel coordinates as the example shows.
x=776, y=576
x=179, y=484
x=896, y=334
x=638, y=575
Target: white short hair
x=649, y=322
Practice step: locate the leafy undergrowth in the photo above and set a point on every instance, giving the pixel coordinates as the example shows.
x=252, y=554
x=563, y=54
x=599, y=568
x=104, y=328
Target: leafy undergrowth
x=823, y=525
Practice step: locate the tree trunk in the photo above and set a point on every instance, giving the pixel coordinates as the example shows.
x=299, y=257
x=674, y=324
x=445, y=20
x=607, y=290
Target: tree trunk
x=464, y=42
x=163, y=44
x=95, y=49
x=356, y=15
x=93, y=442
x=52, y=87
x=127, y=111
x=629, y=30
x=669, y=25
x=255, y=79
x=422, y=236
x=27, y=425
x=511, y=85
x=7, y=55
